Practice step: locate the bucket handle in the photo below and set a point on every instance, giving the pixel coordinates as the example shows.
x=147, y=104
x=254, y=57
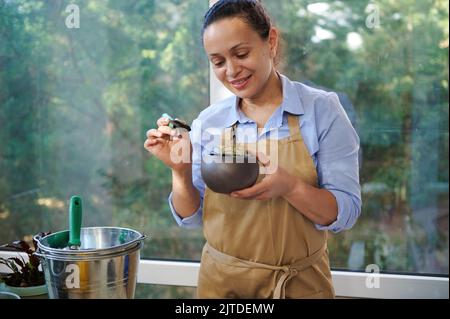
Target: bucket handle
x=37, y=238
x=37, y=253
x=42, y=255
x=143, y=236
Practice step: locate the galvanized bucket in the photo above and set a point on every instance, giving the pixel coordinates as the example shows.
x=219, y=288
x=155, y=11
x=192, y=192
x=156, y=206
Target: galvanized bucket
x=105, y=266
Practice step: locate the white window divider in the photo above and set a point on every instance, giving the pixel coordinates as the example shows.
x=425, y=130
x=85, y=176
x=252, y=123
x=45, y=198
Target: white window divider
x=347, y=283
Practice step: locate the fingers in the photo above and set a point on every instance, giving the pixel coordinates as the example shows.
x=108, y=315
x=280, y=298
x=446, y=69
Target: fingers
x=152, y=142
x=252, y=191
x=154, y=137
x=163, y=121
x=269, y=165
x=263, y=159
x=149, y=143
x=180, y=133
x=165, y=130
x=161, y=132
x=152, y=133
x=262, y=196
x=163, y=126
x=164, y=133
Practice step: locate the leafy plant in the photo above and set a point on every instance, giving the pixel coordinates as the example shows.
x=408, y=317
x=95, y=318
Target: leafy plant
x=24, y=273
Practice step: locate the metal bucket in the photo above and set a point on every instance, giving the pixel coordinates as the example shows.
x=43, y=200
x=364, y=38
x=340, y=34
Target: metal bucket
x=105, y=266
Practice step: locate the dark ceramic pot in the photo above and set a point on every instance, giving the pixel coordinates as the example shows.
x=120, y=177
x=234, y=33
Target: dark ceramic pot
x=227, y=173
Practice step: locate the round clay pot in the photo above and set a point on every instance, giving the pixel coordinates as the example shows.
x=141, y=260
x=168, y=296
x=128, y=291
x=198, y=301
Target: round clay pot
x=228, y=173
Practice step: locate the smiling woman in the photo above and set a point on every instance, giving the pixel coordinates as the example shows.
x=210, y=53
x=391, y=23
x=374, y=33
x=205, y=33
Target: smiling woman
x=243, y=61
x=357, y=64
x=285, y=216
x=75, y=106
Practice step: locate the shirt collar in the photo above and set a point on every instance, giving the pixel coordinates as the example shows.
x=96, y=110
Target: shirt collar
x=291, y=104
x=235, y=114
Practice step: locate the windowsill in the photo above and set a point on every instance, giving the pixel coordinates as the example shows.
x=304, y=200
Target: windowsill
x=347, y=284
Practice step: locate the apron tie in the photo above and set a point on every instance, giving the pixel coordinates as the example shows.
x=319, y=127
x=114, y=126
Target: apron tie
x=280, y=288
x=288, y=271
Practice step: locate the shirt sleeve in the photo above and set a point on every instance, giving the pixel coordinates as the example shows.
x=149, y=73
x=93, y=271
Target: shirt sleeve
x=337, y=162
x=195, y=220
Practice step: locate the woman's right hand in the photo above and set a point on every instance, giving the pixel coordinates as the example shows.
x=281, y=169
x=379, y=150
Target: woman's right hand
x=172, y=146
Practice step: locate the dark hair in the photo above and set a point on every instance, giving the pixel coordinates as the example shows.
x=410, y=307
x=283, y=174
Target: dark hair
x=251, y=11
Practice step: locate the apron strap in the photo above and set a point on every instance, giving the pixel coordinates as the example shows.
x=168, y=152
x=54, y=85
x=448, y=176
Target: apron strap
x=289, y=271
x=294, y=125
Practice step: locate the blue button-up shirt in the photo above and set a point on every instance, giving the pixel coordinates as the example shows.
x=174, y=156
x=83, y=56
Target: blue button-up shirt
x=327, y=132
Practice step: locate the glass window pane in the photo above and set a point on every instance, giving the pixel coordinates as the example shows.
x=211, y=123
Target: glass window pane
x=147, y=291
x=76, y=101
x=388, y=61
x=75, y=104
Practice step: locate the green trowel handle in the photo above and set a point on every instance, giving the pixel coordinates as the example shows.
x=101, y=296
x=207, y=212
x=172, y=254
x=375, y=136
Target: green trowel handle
x=75, y=214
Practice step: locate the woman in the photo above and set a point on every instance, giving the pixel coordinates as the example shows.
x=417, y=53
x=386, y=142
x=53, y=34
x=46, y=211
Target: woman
x=269, y=240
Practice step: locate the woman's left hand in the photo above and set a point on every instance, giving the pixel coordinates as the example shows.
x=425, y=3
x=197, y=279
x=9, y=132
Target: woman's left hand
x=277, y=182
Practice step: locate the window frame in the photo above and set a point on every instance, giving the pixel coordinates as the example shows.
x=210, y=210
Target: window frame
x=348, y=284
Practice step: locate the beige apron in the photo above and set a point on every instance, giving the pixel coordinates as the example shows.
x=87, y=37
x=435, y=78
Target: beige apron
x=265, y=248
